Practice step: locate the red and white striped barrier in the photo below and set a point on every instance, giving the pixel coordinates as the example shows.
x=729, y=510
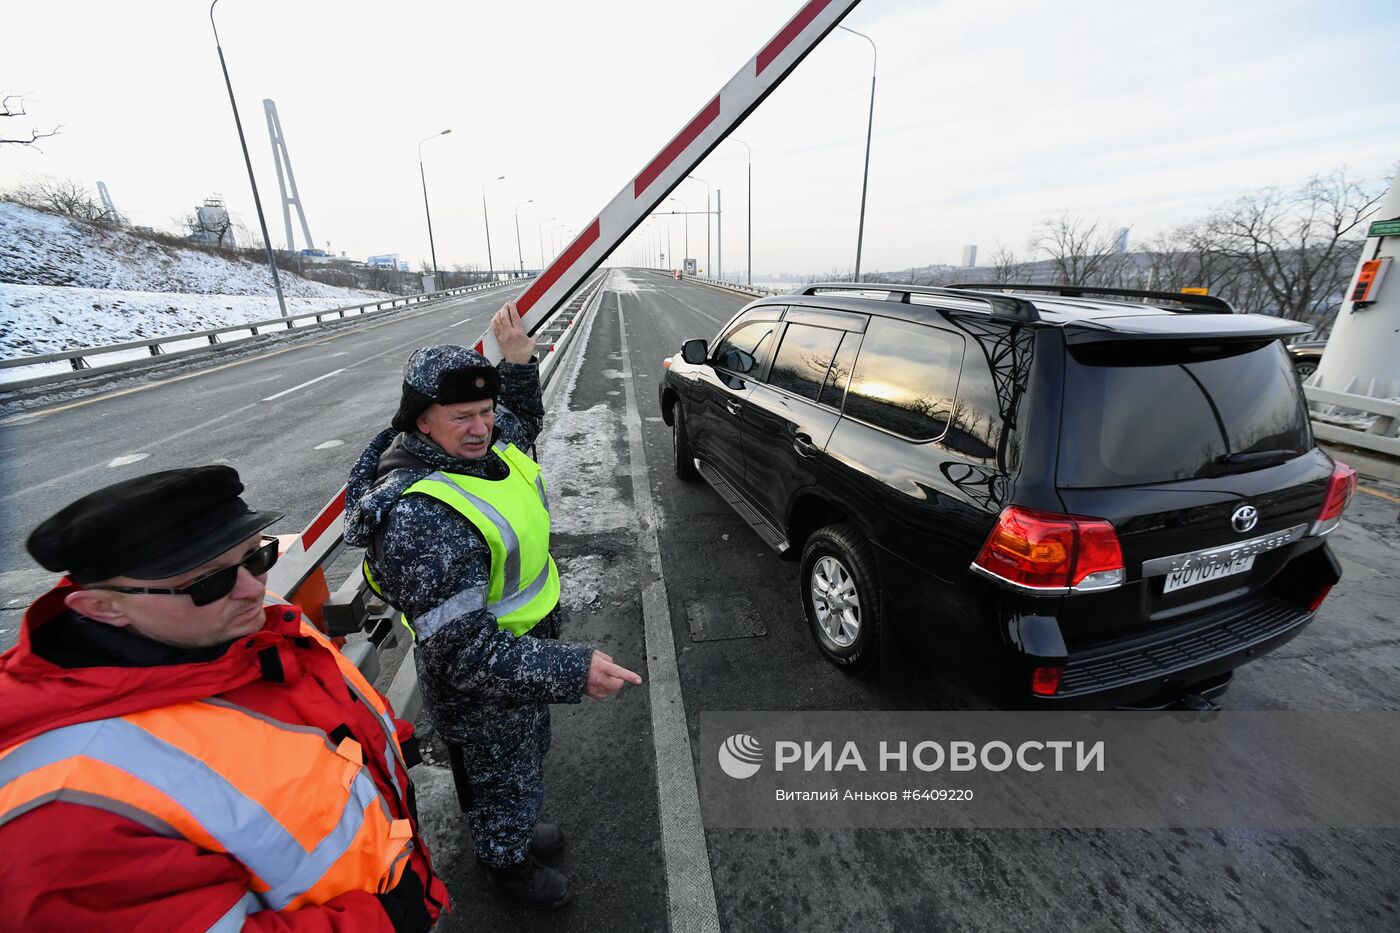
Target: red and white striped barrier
x=706, y=130
x=303, y=558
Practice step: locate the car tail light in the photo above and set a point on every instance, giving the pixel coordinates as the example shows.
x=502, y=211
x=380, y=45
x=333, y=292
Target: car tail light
x=1339, y=492
x=1049, y=551
x=1045, y=681
x=666, y=363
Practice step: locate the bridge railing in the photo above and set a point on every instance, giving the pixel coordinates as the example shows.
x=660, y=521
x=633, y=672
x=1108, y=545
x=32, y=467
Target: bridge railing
x=79, y=360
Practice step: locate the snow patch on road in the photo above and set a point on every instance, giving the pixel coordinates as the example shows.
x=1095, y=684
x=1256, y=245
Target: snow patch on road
x=583, y=579
x=579, y=454
x=619, y=281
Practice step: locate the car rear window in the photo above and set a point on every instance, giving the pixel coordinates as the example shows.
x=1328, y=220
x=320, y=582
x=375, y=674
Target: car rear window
x=1134, y=416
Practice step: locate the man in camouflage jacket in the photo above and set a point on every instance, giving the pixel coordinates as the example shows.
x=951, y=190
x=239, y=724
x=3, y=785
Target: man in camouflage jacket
x=486, y=689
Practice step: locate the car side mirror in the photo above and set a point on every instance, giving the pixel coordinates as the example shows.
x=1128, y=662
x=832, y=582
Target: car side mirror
x=694, y=351
x=739, y=361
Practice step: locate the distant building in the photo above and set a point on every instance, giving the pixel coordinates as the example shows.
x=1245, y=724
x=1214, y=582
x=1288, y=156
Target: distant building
x=969, y=256
x=1120, y=241
x=212, y=225
x=387, y=261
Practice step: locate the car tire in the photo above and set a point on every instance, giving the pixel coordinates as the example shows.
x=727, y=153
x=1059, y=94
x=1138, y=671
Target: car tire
x=1305, y=368
x=680, y=447
x=837, y=560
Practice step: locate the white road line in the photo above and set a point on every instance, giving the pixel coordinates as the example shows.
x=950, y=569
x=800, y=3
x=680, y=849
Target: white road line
x=690, y=888
x=303, y=385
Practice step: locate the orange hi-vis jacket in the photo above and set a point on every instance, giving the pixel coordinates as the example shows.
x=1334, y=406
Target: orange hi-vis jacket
x=311, y=811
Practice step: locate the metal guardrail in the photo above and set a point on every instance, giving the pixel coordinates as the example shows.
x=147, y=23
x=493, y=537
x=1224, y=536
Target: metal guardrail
x=79, y=358
x=718, y=283
x=1380, y=437
x=353, y=607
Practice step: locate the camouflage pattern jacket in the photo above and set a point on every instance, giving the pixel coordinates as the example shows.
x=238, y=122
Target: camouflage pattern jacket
x=422, y=553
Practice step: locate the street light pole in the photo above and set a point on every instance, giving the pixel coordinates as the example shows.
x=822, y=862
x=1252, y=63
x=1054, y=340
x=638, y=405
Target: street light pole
x=257, y=201
x=869, y=125
x=541, y=238
x=519, y=257
x=687, y=231
x=490, y=263
x=432, y=248
x=708, y=270
x=748, y=213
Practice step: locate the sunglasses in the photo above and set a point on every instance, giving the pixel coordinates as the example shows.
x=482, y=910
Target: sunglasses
x=215, y=585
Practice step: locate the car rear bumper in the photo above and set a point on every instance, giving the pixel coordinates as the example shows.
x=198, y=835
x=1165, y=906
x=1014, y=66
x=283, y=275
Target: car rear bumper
x=1177, y=664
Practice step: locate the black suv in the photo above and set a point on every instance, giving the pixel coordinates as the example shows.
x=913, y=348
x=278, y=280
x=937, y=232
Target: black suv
x=1066, y=496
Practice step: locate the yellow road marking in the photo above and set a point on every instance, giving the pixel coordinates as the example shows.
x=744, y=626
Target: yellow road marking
x=1378, y=494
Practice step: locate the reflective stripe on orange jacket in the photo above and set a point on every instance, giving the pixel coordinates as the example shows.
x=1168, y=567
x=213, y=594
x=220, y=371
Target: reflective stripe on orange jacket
x=298, y=810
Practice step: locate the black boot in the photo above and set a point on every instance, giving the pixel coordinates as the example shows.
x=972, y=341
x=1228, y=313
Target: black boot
x=547, y=842
x=531, y=883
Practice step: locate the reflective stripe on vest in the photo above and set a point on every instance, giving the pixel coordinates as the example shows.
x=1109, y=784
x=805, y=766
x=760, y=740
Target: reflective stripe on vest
x=517, y=604
x=301, y=813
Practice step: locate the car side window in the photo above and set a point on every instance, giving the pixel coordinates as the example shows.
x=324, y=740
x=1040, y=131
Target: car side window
x=803, y=359
x=743, y=349
x=834, y=388
x=906, y=378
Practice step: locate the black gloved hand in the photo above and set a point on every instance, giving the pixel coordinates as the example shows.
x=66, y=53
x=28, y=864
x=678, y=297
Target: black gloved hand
x=406, y=904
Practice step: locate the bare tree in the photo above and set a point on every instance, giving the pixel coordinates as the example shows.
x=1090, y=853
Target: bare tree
x=1295, y=248
x=1080, y=250
x=12, y=105
x=64, y=197
x=1007, y=267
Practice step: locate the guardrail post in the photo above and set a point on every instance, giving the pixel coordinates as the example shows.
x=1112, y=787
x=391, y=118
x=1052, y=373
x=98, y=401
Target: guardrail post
x=254, y=330
x=213, y=340
x=155, y=350
x=79, y=364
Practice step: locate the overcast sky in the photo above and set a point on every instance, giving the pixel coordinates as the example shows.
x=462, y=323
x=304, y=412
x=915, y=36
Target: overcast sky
x=989, y=116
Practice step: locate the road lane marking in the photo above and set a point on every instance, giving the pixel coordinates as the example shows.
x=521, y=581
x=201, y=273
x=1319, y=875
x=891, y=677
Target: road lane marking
x=126, y=460
x=690, y=887
x=1377, y=493
x=29, y=416
x=74, y=473
x=309, y=382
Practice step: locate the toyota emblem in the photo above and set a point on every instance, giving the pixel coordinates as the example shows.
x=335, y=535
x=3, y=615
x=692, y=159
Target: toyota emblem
x=1245, y=518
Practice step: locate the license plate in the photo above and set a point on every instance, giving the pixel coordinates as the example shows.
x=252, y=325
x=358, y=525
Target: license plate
x=1205, y=572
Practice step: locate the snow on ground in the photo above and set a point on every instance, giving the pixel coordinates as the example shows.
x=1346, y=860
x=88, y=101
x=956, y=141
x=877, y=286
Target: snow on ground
x=38, y=319
x=578, y=451
x=66, y=285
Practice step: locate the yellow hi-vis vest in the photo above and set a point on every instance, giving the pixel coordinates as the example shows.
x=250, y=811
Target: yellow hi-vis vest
x=512, y=515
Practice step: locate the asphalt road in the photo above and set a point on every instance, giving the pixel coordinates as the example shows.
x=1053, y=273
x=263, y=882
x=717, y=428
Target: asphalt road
x=638, y=549
x=291, y=419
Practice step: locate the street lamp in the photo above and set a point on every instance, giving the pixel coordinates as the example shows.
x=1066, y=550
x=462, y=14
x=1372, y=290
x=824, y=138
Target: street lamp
x=519, y=257
x=541, y=238
x=870, y=123
x=257, y=201
x=748, y=212
x=687, y=230
x=708, y=271
x=490, y=263
x=432, y=248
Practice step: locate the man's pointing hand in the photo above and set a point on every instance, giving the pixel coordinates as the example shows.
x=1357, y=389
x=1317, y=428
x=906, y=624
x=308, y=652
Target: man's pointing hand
x=606, y=678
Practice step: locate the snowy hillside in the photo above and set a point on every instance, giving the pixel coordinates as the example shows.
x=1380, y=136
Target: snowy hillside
x=65, y=285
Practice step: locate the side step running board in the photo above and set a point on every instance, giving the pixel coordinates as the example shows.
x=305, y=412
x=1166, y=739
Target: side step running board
x=771, y=536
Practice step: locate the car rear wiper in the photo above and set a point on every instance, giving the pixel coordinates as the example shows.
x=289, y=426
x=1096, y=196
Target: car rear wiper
x=1256, y=456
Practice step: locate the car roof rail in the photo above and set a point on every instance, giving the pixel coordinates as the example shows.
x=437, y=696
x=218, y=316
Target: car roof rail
x=1190, y=304
x=1003, y=307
